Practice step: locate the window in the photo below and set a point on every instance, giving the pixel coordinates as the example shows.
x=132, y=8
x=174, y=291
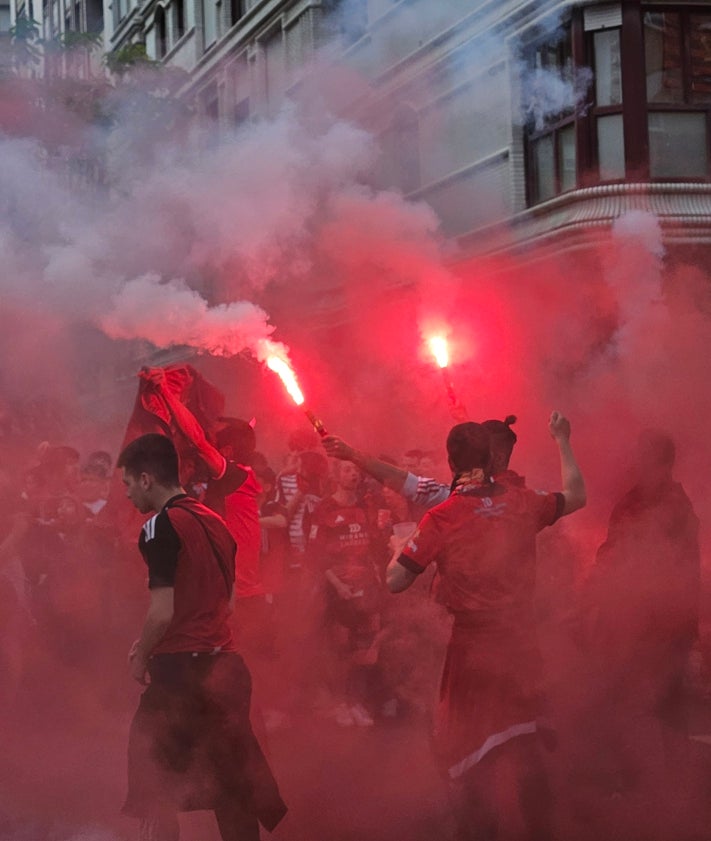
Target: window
x=552, y=93
x=236, y=11
x=677, y=50
x=120, y=10
x=94, y=16
x=606, y=115
x=647, y=113
x=179, y=18
x=160, y=32
x=275, y=71
x=209, y=22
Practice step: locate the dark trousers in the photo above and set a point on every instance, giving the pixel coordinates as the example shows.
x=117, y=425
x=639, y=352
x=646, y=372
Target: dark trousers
x=506, y=795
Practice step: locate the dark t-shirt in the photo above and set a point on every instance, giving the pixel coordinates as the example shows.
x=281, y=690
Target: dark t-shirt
x=188, y=547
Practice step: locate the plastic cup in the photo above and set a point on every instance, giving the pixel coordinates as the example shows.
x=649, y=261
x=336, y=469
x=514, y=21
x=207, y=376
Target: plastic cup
x=402, y=531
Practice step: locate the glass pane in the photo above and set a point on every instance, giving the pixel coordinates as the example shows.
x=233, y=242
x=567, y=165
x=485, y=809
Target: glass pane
x=608, y=72
x=662, y=47
x=700, y=39
x=566, y=158
x=209, y=12
x=611, y=147
x=677, y=145
x=544, y=160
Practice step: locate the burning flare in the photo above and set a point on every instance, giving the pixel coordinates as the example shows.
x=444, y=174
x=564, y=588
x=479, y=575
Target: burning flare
x=287, y=376
x=440, y=351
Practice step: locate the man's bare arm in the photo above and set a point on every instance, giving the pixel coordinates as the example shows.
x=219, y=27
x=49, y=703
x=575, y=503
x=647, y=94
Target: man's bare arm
x=158, y=618
x=187, y=423
x=571, y=478
x=398, y=577
x=387, y=474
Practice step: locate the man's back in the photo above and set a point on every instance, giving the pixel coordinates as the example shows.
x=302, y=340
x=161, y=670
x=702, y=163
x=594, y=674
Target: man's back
x=483, y=541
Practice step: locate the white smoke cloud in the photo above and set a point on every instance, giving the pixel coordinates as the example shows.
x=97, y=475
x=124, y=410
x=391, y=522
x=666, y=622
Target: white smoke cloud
x=548, y=92
x=171, y=314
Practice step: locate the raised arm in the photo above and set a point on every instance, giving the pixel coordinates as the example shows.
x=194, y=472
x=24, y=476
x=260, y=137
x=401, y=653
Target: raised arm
x=571, y=477
x=187, y=423
x=387, y=474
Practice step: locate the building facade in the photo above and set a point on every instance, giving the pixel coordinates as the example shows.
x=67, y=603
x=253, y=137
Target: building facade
x=518, y=122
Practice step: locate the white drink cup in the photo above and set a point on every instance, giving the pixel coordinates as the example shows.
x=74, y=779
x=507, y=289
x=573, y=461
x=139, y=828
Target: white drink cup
x=403, y=531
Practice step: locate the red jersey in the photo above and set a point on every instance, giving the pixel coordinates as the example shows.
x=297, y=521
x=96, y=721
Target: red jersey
x=242, y=518
x=188, y=547
x=340, y=539
x=483, y=539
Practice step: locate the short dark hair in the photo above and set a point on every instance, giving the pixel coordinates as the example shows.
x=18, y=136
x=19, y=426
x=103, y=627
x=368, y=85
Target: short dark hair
x=239, y=435
x=468, y=446
x=153, y=454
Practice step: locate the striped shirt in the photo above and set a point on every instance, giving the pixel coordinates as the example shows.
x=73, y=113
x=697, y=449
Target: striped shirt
x=423, y=491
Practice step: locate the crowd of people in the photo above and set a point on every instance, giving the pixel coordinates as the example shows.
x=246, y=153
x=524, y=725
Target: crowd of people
x=324, y=537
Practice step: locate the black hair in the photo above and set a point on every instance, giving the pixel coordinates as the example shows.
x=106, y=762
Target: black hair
x=238, y=435
x=468, y=447
x=502, y=429
x=153, y=454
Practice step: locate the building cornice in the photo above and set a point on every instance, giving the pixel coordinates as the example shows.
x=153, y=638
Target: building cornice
x=683, y=210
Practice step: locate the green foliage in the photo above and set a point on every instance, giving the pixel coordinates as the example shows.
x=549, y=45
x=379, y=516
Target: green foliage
x=25, y=42
x=129, y=57
x=71, y=40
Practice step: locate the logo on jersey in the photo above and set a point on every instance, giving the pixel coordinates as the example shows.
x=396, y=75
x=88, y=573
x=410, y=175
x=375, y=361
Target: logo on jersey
x=149, y=528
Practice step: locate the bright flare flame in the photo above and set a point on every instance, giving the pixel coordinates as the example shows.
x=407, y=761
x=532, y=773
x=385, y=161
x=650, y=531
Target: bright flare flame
x=438, y=346
x=287, y=376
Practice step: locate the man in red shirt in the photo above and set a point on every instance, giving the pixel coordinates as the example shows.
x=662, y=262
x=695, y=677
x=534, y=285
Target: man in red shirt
x=342, y=550
x=191, y=745
x=483, y=540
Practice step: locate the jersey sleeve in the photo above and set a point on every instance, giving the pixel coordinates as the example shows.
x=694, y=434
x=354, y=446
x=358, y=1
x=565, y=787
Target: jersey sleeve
x=160, y=546
x=423, y=547
x=547, y=508
x=233, y=477
x=424, y=491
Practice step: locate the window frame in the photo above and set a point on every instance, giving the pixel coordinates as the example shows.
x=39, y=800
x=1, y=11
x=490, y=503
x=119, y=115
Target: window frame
x=635, y=109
